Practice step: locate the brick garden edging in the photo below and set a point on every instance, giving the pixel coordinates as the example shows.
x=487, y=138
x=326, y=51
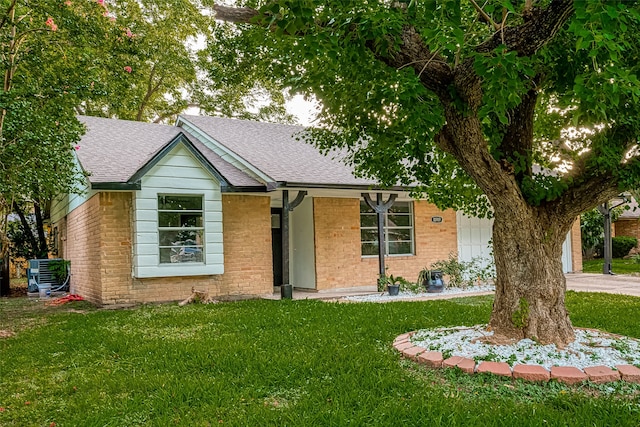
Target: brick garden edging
x=563, y=374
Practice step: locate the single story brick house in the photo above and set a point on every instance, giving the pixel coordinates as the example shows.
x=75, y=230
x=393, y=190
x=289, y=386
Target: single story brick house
x=200, y=204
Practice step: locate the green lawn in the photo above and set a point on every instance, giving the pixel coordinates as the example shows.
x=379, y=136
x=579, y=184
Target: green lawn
x=618, y=266
x=279, y=363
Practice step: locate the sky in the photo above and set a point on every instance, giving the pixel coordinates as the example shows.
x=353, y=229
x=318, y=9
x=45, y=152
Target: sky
x=304, y=110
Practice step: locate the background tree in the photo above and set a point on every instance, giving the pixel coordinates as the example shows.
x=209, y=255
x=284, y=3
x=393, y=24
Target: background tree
x=478, y=103
x=43, y=47
x=156, y=67
x=234, y=84
x=592, y=230
x=149, y=69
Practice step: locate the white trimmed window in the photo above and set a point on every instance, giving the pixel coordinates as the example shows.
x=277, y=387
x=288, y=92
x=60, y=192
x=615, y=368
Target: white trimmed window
x=180, y=229
x=398, y=230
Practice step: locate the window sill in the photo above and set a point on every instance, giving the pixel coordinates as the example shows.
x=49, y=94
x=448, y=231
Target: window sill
x=365, y=257
x=179, y=269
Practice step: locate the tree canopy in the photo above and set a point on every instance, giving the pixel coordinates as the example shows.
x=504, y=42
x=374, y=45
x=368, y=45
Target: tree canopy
x=382, y=70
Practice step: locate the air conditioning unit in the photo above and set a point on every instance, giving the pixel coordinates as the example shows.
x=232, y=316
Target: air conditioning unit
x=42, y=277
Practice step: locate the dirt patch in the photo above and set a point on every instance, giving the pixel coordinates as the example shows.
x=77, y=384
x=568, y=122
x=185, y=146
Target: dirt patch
x=17, y=290
x=6, y=334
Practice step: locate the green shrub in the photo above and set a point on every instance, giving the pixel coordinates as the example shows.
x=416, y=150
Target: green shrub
x=620, y=246
x=464, y=274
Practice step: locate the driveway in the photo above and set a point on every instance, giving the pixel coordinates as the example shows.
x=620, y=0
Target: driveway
x=616, y=284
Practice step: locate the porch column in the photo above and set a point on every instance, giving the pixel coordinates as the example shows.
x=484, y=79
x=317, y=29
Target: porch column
x=286, y=289
x=380, y=208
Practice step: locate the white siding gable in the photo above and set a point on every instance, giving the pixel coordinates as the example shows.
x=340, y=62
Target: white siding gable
x=179, y=173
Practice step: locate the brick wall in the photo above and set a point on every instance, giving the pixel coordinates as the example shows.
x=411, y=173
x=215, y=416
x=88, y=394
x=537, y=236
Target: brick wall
x=248, y=262
x=339, y=263
x=80, y=243
x=97, y=239
x=115, y=247
x=627, y=227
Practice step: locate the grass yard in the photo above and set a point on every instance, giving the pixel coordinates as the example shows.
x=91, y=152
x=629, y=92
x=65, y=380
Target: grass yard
x=618, y=266
x=279, y=363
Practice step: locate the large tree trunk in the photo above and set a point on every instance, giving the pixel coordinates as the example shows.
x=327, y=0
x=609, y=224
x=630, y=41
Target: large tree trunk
x=530, y=284
x=527, y=241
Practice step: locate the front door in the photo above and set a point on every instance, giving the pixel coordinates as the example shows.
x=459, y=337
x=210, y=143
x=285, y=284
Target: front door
x=276, y=245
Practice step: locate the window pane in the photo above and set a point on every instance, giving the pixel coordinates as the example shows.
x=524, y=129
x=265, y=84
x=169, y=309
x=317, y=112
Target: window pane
x=396, y=234
x=364, y=208
x=176, y=219
x=181, y=237
x=399, y=220
x=181, y=254
x=180, y=203
x=369, y=249
x=400, y=207
x=368, y=235
x=275, y=220
x=368, y=220
x=400, y=248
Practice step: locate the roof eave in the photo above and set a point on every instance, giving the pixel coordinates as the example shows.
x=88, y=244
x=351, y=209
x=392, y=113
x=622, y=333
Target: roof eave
x=359, y=187
x=245, y=189
x=116, y=186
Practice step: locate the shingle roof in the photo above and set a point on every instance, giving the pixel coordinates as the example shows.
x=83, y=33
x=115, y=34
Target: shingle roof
x=233, y=175
x=274, y=150
x=112, y=151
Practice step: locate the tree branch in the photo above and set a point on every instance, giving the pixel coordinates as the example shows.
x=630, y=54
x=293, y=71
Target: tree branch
x=431, y=68
x=237, y=15
x=583, y=195
x=517, y=142
x=484, y=15
x=8, y=14
x=42, y=249
x=26, y=229
x=527, y=38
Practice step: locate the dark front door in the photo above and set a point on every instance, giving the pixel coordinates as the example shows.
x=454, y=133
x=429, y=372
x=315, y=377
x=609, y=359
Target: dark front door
x=276, y=245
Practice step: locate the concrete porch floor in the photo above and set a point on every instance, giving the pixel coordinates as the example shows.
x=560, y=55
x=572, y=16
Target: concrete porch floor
x=581, y=282
x=332, y=294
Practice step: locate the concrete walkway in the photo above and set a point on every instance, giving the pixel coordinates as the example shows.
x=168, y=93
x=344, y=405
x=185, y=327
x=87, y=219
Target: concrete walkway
x=581, y=282
x=616, y=284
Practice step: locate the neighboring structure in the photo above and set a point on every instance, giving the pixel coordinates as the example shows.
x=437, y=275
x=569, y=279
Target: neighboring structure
x=200, y=204
x=628, y=223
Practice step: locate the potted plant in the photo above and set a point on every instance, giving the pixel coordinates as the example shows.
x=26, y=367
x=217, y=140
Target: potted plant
x=432, y=280
x=392, y=284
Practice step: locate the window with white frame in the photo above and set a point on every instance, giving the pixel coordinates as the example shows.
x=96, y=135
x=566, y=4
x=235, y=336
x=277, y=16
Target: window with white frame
x=398, y=229
x=180, y=229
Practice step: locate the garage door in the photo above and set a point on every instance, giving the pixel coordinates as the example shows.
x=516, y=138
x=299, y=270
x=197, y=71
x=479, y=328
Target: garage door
x=474, y=235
